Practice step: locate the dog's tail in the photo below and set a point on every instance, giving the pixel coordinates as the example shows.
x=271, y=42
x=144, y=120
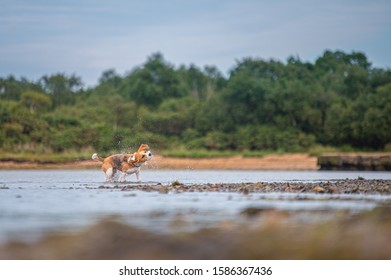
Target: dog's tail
x=95, y=157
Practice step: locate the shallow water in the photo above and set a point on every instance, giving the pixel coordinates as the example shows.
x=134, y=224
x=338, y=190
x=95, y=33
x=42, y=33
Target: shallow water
x=33, y=202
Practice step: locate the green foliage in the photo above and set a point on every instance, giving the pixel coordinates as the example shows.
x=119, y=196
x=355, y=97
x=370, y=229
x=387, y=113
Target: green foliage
x=36, y=101
x=45, y=157
x=271, y=138
x=151, y=84
x=339, y=102
x=198, y=153
x=61, y=88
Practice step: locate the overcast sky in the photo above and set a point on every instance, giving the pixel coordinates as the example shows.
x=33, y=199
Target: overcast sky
x=86, y=37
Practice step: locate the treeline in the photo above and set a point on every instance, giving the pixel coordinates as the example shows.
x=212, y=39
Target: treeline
x=339, y=100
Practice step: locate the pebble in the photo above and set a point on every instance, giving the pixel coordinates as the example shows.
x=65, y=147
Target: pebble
x=318, y=189
x=355, y=186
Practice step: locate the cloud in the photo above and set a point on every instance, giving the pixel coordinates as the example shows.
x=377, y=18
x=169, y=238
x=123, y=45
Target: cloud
x=88, y=37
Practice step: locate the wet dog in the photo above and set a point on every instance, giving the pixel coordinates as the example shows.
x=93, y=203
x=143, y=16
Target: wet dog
x=124, y=163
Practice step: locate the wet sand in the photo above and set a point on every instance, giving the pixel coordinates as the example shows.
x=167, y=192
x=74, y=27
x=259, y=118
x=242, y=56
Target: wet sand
x=269, y=162
x=267, y=234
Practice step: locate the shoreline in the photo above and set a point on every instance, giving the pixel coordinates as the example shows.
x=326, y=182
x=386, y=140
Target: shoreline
x=345, y=186
x=298, y=161
x=255, y=232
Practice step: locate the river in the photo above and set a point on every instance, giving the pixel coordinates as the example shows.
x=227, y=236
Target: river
x=35, y=202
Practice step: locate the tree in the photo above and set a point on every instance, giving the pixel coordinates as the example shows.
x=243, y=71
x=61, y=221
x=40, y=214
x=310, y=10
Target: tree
x=152, y=83
x=10, y=88
x=61, y=87
x=36, y=101
x=339, y=100
x=194, y=81
x=110, y=77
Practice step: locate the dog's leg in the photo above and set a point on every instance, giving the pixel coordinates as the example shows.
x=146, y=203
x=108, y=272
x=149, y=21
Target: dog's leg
x=109, y=175
x=138, y=176
x=122, y=177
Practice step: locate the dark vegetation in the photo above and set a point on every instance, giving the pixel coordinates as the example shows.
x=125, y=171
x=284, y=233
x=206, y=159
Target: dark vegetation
x=340, y=101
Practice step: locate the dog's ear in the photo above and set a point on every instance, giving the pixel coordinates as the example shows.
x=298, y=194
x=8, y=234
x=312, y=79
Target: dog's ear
x=135, y=158
x=138, y=158
x=131, y=158
x=143, y=147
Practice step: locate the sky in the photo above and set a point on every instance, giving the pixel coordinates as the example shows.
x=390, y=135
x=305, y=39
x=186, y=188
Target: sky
x=88, y=37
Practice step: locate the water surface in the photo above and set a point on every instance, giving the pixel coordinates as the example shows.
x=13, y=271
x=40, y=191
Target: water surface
x=33, y=202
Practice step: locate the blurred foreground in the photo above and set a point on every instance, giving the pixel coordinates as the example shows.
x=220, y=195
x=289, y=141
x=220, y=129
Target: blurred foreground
x=80, y=218
x=273, y=234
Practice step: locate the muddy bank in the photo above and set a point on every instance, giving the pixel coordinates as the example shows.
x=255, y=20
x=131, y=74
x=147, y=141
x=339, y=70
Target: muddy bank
x=373, y=162
x=269, y=162
x=273, y=235
x=355, y=186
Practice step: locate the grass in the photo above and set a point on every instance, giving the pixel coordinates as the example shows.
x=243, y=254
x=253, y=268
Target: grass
x=318, y=150
x=45, y=157
x=262, y=153
x=70, y=156
x=215, y=154
x=198, y=153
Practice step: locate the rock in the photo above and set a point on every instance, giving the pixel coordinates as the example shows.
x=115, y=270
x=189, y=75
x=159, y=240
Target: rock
x=176, y=183
x=163, y=189
x=252, y=211
x=244, y=191
x=318, y=189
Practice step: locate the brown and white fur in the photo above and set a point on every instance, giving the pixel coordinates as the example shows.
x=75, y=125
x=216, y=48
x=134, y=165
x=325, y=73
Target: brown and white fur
x=124, y=163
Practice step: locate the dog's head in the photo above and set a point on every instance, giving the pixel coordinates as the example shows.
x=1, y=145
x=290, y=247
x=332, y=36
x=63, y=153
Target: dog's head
x=142, y=155
x=143, y=148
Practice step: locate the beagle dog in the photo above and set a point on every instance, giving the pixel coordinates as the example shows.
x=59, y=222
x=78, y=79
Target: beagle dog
x=124, y=163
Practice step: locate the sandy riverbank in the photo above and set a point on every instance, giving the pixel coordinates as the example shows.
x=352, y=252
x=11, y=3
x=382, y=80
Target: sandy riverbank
x=269, y=162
